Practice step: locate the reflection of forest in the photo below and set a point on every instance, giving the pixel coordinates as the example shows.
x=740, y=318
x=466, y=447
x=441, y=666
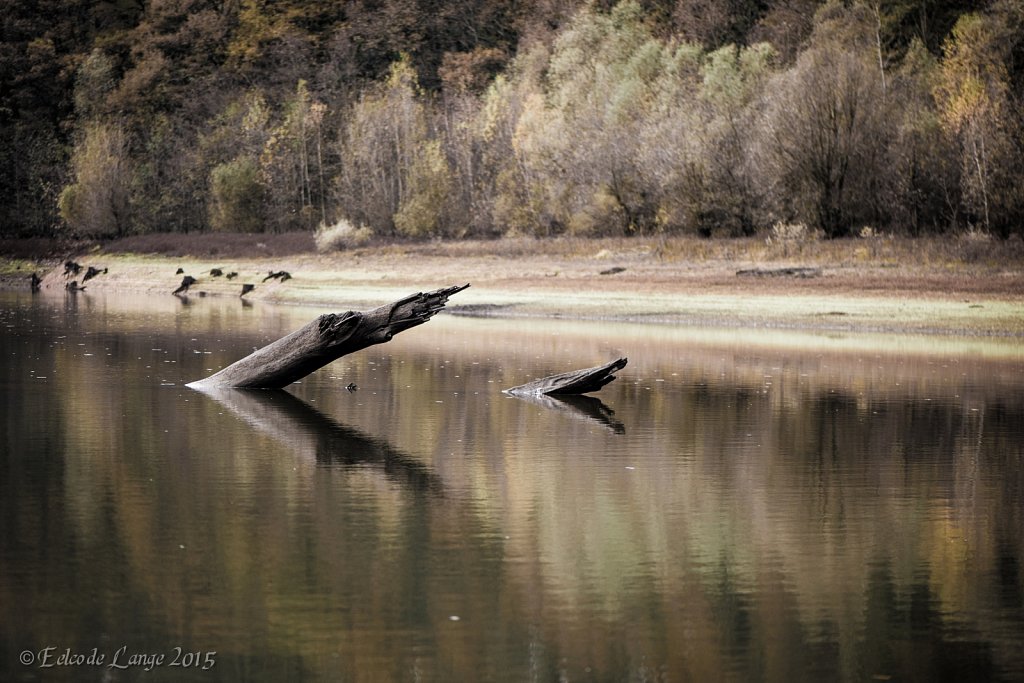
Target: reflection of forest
x=765, y=515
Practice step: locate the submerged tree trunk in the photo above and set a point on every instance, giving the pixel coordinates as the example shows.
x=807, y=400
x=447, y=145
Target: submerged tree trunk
x=326, y=339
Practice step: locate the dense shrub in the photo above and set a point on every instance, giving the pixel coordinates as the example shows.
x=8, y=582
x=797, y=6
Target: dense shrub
x=340, y=236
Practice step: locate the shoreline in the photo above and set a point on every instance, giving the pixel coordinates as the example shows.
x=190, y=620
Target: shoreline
x=609, y=280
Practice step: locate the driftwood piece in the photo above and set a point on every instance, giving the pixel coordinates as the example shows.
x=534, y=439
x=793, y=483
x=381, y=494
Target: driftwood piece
x=575, y=382
x=797, y=271
x=326, y=339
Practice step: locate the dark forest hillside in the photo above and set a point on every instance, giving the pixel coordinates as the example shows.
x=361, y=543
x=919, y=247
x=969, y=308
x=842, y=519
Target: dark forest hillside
x=421, y=118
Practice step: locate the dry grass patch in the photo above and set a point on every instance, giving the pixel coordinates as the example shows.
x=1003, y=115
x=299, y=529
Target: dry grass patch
x=220, y=245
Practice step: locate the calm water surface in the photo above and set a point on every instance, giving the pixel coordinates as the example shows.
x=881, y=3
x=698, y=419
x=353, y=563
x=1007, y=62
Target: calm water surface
x=738, y=505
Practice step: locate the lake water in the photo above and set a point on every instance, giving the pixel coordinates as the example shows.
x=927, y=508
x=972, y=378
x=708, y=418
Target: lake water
x=746, y=505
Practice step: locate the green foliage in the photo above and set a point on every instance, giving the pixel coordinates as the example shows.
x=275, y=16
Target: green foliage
x=429, y=182
x=581, y=144
x=168, y=186
x=93, y=84
x=389, y=159
x=734, y=76
x=236, y=194
x=733, y=82
x=292, y=164
x=96, y=203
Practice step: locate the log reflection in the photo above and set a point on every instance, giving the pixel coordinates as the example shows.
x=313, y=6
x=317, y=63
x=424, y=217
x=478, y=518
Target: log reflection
x=312, y=434
x=579, y=407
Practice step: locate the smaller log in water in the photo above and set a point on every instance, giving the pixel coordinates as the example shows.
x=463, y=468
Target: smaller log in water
x=575, y=382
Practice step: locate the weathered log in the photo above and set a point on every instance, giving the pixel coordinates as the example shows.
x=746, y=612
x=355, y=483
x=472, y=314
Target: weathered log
x=326, y=339
x=798, y=271
x=575, y=382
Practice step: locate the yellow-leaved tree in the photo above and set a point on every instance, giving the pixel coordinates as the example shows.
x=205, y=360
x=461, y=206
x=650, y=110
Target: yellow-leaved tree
x=96, y=203
x=394, y=175
x=973, y=97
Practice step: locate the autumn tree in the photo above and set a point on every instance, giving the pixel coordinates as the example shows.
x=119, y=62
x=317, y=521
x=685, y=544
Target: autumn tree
x=824, y=132
x=716, y=23
x=922, y=189
x=975, y=106
x=733, y=82
x=228, y=154
x=394, y=175
x=293, y=167
x=582, y=139
x=495, y=188
x=168, y=81
x=96, y=203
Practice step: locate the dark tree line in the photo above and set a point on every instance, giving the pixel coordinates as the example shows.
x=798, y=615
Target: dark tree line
x=424, y=118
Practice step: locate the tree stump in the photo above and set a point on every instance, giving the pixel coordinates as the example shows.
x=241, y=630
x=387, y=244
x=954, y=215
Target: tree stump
x=326, y=339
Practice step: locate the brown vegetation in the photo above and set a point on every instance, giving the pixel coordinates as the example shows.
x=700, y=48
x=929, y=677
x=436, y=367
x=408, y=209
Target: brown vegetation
x=642, y=117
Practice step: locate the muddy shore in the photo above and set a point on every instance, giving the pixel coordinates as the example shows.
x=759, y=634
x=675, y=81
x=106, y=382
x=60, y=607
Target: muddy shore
x=900, y=288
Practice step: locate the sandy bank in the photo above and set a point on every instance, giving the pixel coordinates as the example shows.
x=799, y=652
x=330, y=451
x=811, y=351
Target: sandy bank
x=620, y=281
